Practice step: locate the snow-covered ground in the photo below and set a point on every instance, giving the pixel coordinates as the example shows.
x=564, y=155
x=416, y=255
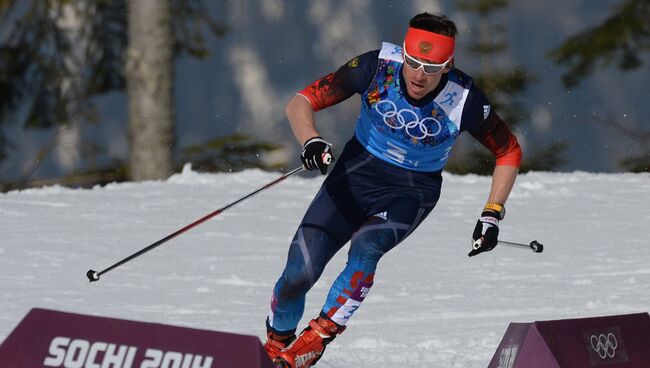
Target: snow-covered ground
x=431, y=305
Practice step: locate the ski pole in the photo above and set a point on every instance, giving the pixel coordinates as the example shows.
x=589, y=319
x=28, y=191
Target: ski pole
x=94, y=275
x=534, y=245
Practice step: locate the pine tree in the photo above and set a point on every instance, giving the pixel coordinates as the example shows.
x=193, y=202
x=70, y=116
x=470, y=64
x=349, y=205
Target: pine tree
x=621, y=39
x=49, y=79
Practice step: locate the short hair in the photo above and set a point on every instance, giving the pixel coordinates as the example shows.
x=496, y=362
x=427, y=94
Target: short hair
x=436, y=23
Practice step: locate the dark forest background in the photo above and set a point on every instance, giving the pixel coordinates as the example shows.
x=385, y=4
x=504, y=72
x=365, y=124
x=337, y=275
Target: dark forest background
x=98, y=91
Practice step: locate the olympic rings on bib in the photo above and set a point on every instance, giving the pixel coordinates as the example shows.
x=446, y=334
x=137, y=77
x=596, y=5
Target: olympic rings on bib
x=408, y=120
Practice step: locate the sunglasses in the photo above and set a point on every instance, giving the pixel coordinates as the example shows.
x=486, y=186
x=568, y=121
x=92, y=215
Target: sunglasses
x=427, y=68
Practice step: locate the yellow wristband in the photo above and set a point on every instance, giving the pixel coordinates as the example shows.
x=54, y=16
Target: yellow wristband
x=498, y=208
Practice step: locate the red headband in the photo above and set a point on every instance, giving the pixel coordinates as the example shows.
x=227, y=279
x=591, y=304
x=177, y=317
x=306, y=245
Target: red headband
x=429, y=45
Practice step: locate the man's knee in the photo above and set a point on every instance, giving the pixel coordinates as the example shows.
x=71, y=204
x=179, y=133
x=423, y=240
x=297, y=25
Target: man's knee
x=371, y=245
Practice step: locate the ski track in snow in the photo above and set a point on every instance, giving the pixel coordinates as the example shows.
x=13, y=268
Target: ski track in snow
x=430, y=306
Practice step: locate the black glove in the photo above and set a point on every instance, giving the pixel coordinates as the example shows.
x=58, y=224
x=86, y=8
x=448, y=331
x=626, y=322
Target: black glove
x=316, y=154
x=486, y=232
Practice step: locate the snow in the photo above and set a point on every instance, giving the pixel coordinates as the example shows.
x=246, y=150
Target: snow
x=430, y=306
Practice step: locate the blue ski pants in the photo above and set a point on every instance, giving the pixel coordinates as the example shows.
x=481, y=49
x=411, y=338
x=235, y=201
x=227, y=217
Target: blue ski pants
x=374, y=204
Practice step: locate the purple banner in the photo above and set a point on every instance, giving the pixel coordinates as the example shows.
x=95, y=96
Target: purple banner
x=611, y=341
x=510, y=345
x=46, y=338
x=522, y=346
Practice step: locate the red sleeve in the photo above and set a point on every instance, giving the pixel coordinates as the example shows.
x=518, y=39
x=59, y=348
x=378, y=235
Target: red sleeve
x=352, y=77
x=326, y=92
x=495, y=135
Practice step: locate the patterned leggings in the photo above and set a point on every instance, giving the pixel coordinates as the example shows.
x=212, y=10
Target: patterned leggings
x=372, y=203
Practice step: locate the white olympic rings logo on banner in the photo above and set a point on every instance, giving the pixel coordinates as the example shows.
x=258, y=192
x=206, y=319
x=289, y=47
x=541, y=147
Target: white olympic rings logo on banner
x=398, y=120
x=604, y=345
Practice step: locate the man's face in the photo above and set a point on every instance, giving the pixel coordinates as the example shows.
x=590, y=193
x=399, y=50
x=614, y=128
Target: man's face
x=418, y=83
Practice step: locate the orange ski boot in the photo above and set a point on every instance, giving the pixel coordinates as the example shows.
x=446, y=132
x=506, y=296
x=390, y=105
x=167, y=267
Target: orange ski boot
x=276, y=343
x=310, y=345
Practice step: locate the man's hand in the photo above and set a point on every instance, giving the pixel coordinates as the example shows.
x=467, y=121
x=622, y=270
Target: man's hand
x=317, y=154
x=486, y=232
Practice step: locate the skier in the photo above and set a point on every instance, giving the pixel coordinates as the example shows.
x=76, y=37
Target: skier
x=414, y=104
